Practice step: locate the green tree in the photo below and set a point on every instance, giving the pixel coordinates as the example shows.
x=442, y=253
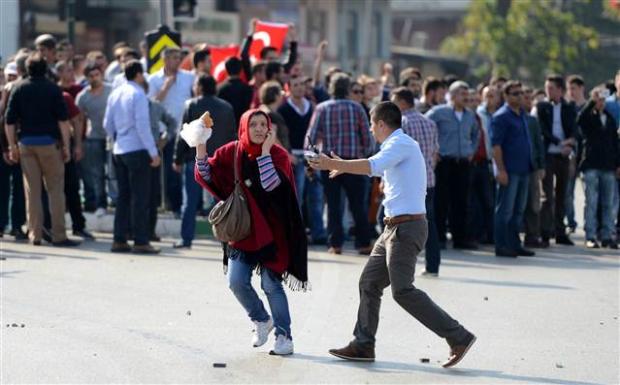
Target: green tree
x=525, y=39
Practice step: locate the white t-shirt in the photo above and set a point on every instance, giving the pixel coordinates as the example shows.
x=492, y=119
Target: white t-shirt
x=181, y=90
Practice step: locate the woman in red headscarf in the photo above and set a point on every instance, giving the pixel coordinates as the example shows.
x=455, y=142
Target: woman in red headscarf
x=277, y=246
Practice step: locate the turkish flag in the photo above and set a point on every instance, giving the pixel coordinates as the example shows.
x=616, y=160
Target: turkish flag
x=267, y=35
x=218, y=60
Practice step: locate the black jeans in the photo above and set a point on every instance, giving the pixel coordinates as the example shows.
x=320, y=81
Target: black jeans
x=172, y=179
x=554, y=192
x=433, y=252
x=481, y=203
x=356, y=188
x=155, y=200
x=452, y=197
x=11, y=189
x=72, y=199
x=133, y=174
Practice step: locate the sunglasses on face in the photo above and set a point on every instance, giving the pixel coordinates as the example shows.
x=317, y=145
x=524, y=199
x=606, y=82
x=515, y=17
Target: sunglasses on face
x=357, y=92
x=516, y=93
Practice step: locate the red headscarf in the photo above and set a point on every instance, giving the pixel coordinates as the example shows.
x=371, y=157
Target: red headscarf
x=252, y=149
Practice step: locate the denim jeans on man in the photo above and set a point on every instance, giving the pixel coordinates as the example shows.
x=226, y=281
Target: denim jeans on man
x=599, y=186
x=133, y=173
x=193, y=193
x=509, y=209
x=310, y=191
x=92, y=170
x=240, y=282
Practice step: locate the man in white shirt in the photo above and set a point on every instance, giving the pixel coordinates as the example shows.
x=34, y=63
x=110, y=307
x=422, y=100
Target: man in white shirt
x=393, y=258
x=172, y=86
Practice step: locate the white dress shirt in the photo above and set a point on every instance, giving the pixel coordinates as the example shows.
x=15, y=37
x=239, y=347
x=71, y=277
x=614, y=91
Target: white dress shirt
x=181, y=90
x=127, y=120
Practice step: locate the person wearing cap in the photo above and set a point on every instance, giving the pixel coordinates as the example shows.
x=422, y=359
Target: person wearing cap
x=11, y=179
x=10, y=72
x=46, y=46
x=393, y=258
x=458, y=140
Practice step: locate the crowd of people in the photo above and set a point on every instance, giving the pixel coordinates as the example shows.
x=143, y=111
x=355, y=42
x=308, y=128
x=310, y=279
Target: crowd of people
x=501, y=158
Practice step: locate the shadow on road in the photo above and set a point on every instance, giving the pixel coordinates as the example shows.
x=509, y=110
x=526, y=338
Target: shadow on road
x=386, y=367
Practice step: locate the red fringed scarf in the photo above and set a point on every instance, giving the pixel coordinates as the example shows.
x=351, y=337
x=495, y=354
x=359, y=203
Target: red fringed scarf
x=262, y=234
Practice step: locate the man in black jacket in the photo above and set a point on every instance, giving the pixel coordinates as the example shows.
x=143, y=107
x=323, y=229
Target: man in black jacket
x=234, y=90
x=558, y=121
x=600, y=166
x=224, y=131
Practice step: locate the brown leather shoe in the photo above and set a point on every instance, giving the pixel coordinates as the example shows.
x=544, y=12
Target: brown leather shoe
x=457, y=352
x=120, y=247
x=145, y=249
x=335, y=250
x=354, y=352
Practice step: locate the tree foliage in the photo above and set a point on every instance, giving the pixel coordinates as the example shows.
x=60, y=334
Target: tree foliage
x=522, y=38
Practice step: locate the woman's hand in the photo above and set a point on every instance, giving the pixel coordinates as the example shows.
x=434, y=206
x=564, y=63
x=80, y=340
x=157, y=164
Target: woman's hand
x=269, y=142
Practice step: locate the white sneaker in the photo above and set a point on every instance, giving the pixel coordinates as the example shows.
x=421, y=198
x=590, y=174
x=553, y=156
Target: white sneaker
x=261, y=332
x=283, y=346
x=100, y=212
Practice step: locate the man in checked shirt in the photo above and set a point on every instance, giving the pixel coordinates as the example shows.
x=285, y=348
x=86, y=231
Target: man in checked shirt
x=424, y=131
x=341, y=126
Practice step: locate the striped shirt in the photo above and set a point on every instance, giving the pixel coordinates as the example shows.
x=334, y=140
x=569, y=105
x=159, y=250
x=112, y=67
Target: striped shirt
x=269, y=178
x=342, y=126
x=424, y=131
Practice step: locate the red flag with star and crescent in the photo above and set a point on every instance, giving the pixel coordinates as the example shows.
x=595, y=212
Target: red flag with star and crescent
x=267, y=34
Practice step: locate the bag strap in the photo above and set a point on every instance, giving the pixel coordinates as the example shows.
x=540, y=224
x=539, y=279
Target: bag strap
x=235, y=161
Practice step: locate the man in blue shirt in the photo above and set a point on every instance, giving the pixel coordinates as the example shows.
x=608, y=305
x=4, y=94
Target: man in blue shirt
x=512, y=154
x=458, y=139
x=127, y=121
x=392, y=261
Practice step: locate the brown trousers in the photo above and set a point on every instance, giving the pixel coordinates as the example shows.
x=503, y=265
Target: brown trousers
x=392, y=263
x=44, y=163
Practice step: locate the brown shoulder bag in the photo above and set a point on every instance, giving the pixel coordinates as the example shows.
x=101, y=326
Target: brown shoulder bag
x=230, y=218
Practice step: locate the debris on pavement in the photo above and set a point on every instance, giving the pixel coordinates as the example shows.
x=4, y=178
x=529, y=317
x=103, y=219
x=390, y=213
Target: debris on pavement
x=558, y=365
x=219, y=365
x=189, y=312
x=425, y=360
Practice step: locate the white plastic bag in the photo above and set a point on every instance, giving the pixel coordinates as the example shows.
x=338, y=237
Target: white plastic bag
x=195, y=133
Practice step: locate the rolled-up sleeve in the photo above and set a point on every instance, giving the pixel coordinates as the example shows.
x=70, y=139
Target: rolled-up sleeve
x=389, y=156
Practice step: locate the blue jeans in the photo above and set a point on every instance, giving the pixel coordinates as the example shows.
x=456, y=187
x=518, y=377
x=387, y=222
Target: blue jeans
x=569, y=202
x=240, y=283
x=193, y=193
x=509, y=209
x=92, y=170
x=433, y=252
x=599, y=186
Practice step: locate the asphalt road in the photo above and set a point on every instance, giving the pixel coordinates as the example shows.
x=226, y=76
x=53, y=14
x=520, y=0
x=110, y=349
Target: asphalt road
x=85, y=315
